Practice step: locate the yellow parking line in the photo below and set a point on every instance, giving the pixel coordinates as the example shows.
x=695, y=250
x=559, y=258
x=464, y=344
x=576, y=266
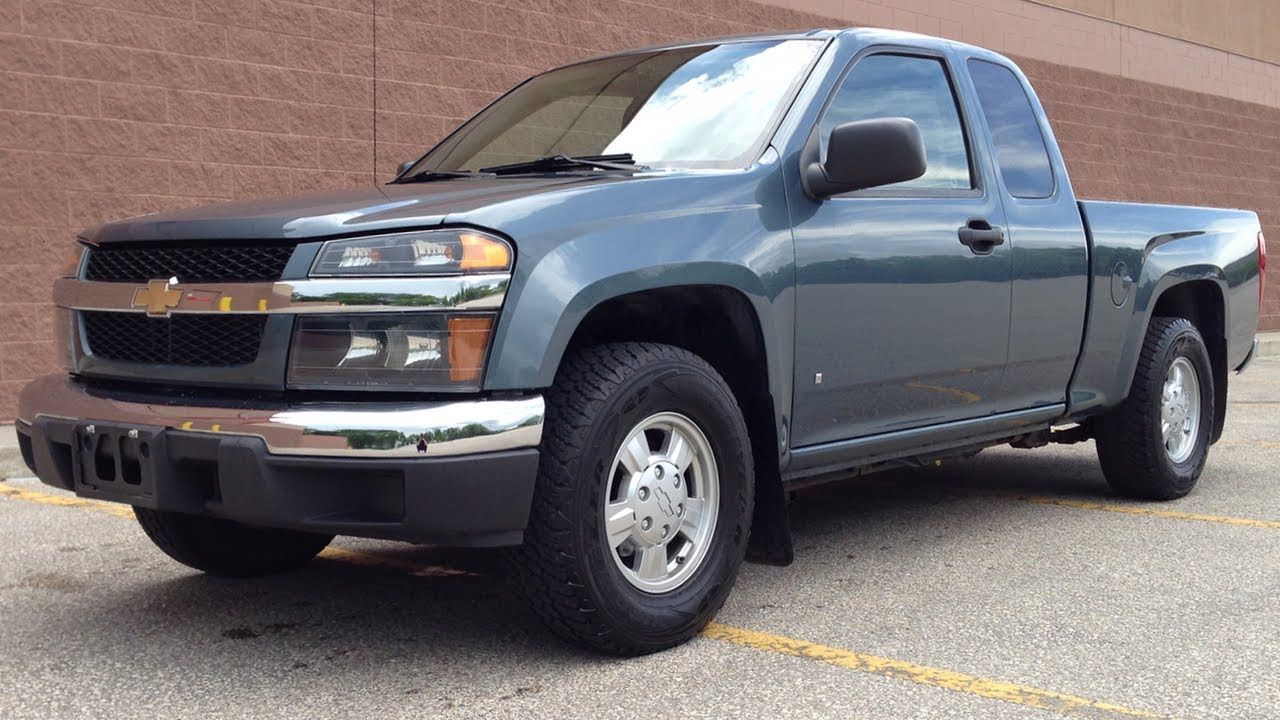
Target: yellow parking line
x=1263, y=403
x=412, y=567
x=1149, y=512
x=1249, y=443
x=115, y=509
x=923, y=674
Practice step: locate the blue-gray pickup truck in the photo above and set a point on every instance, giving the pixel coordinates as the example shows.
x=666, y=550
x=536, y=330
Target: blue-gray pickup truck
x=613, y=318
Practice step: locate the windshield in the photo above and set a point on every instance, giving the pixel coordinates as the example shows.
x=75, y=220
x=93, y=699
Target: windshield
x=707, y=106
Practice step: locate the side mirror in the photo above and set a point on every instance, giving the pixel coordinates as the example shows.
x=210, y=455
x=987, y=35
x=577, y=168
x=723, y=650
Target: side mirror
x=404, y=166
x=866, y=154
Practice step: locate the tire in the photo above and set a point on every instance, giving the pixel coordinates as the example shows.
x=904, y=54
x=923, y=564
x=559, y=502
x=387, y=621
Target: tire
x=227, y=548
x=571, y=574
x=1130, y=439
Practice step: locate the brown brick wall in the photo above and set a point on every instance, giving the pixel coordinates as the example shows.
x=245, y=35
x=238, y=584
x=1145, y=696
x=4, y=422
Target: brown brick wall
x=119, y=107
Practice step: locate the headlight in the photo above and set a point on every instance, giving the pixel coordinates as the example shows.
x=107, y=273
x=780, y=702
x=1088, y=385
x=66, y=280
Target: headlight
x=432, y=252
x=395, y=351
x=74, y=259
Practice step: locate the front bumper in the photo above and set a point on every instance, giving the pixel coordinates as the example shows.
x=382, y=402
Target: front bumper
x=455, y=473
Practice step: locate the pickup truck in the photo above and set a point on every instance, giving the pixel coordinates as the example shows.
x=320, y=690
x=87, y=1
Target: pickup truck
x=615, y=317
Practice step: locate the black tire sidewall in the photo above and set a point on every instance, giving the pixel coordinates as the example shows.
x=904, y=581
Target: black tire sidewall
x=227, y=548
x=666, y=386
x=1186, y=343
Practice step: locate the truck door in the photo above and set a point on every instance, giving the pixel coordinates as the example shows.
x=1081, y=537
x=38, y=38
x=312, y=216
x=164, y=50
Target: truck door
x=1046, y=238
x=900, y=323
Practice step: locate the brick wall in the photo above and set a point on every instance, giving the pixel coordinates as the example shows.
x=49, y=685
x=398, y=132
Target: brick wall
x=120, y=107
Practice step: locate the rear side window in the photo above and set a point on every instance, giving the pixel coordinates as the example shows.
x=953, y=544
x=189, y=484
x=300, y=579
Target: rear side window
x=881, y=86
x=1020, y=149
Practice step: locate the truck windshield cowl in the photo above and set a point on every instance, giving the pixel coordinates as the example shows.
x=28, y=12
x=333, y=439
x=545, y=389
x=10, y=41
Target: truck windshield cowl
x=707, y=106
x=620, y=162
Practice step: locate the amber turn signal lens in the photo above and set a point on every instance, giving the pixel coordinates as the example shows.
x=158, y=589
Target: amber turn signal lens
x=481, y=252
x=73, y=260
x=468, y=340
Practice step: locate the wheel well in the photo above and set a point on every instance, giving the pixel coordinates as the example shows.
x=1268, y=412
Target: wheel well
x=1201, y=302
x=719, y=325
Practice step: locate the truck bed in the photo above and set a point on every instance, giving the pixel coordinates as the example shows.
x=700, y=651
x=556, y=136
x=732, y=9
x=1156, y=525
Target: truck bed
x=1136, y=252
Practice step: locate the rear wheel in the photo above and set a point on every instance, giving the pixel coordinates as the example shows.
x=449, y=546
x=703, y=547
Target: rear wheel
x=643, y=501
x=1154, y=445
x=225, y=547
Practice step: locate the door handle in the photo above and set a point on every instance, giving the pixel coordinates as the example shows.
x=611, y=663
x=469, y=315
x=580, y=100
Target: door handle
x=980, y=237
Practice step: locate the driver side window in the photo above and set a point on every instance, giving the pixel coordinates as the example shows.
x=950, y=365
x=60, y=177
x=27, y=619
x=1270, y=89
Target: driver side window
x=881, y=86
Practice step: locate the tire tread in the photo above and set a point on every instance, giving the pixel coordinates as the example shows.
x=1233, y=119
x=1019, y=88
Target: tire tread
x=1133, y=466
x=545, y=568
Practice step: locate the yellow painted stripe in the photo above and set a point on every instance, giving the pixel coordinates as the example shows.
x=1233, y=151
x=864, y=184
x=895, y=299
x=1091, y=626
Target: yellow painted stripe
x=1150, y=512
x=923, y=674
x=413, y=567
x=44, y=498
x=1248, y=443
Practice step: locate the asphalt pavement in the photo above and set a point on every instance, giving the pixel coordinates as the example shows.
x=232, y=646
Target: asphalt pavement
x=1011, y=585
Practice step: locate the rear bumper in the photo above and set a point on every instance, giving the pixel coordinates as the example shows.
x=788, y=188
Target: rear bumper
x=322, y=468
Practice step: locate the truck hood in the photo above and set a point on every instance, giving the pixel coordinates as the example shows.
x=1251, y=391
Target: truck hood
x=313, y=215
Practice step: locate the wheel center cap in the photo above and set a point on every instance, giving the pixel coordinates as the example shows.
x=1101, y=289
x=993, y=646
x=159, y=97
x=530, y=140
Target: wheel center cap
x=659, y=502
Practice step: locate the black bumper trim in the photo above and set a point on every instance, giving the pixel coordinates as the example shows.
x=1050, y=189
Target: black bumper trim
x=463, y=500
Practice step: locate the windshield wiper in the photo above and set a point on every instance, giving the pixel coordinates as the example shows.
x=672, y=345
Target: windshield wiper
x=618, y=161
x=430, y=175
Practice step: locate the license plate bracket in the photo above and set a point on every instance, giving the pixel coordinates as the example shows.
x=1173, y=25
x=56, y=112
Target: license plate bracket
x=117, y=462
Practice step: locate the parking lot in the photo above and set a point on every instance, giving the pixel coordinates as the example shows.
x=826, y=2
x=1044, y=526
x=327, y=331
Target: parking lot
x=1011, y=585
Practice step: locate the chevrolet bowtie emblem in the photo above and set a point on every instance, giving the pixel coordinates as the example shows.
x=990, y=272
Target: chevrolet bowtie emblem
x=158, y=297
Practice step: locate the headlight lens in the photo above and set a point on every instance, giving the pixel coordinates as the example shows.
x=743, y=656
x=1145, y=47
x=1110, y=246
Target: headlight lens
x=73, y=260
x=433, y=252
x=390, y=351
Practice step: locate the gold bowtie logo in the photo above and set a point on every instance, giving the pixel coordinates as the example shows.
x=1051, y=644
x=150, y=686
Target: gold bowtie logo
x=158, y=297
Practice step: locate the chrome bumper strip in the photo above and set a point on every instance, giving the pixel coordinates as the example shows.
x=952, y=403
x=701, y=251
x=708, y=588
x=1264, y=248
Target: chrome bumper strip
x=365, y=429
x=327, y=295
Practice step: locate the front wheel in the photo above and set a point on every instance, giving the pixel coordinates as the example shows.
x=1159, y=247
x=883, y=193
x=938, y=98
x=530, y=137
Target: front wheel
x=643, y=500
x=228, y=548
x=1154, y=445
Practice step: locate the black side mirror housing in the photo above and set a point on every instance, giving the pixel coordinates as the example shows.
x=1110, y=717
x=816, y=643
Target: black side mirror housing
x=865, y=154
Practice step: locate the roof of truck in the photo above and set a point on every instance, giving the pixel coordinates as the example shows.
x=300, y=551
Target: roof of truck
x=878, y=35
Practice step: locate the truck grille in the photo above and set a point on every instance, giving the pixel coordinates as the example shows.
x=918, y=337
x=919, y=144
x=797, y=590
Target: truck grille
x=198, y=340
x=213, y=263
